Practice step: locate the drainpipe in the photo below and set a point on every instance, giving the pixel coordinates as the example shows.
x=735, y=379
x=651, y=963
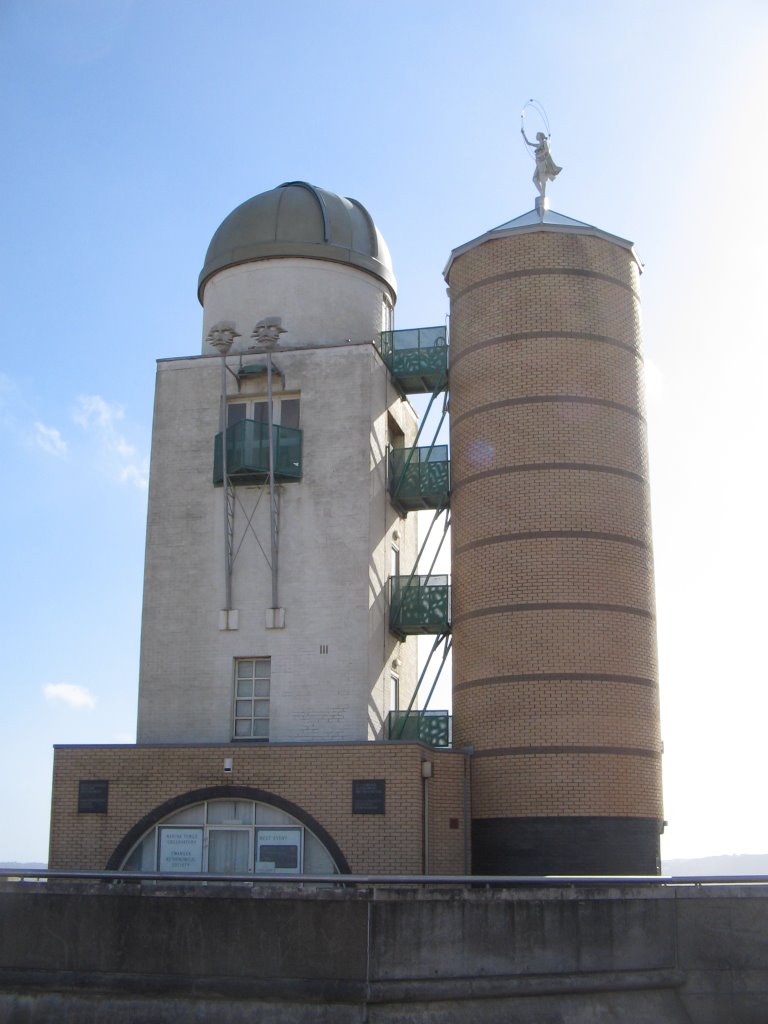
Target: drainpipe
x=468, y=752
x=426, y=775
x=272, y=505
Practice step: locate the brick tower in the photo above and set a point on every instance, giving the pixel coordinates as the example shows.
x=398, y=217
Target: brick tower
x=555, y=674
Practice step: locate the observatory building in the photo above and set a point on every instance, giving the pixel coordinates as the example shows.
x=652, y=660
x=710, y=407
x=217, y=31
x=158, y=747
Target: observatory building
x=283, y=722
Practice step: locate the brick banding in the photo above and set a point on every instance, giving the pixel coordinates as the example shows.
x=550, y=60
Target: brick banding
x=570, y=749
x=603, y=339
x=531, y=467
x=554, y=606
x=548, y=399
x=503, y=538
x=459, y=293
x=557, y=677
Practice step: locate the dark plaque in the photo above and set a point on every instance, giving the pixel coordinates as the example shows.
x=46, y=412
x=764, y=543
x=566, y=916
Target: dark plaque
x=92, y=796
x=368, y=796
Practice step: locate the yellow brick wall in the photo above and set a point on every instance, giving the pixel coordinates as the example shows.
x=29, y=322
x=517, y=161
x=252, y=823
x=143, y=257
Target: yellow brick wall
x=318, y=779
x=555, y=672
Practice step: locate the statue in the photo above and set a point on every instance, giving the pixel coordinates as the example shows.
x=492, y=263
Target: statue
x=222, y=336
x=546, y=168
x=267, y=331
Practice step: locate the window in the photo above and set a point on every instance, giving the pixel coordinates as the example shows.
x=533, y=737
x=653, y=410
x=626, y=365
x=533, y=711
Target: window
x=387, y=317
x=252, y=678
x=285, y=411
x=394, y=561
x=394, y=692
x=230, y=837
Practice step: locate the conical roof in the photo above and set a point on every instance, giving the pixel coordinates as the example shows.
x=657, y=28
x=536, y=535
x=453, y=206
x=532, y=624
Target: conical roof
x=541, y=219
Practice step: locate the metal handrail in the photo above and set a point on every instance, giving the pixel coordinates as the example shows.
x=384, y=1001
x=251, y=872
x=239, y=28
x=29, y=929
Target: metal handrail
x=470, y=881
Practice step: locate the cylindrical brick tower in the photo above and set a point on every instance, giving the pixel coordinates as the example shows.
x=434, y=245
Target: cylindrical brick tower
x=554, y=653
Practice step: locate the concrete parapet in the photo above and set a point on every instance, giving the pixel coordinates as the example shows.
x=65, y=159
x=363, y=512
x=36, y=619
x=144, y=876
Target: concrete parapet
x=135, y=952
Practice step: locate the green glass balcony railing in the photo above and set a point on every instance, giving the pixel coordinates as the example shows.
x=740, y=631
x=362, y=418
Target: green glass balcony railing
x=432, y=727
x=419, y=604
x=417, y=359
x=419, y=478
x=248, y=453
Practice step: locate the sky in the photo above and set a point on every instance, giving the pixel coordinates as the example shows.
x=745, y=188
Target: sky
x=131, y=128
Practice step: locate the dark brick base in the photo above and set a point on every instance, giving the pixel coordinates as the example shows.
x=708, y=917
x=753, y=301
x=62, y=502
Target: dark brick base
x=565, y=846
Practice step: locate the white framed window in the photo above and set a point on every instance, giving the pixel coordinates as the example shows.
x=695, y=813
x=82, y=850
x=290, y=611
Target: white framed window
x=286, y=411
x=394, y=560
x=252, y=687
x=230, y=837
x=394, y=691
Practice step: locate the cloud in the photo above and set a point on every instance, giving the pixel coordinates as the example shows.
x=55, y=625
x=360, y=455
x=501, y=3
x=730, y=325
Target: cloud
x=49, y=439
x=69, y=693
x=138, y=475
x=100, y=418
x=93, y=410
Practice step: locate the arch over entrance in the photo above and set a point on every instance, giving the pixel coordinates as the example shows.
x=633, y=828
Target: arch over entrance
x=229, y=829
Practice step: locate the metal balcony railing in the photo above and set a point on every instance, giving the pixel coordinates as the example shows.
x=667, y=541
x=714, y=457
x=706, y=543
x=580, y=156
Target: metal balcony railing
x=432, y=727
x=419, y=604
x=419, y=478
x=417, y=359
x=248, y=453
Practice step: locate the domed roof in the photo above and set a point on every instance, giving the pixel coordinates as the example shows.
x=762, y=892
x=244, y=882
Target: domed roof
x=297, y=219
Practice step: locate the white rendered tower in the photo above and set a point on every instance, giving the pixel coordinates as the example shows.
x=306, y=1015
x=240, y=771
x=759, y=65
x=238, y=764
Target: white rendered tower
x=265, y=590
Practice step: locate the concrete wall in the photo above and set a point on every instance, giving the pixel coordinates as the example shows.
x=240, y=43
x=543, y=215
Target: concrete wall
x=639, y=955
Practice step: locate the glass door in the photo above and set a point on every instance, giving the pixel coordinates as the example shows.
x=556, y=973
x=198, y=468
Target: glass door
x=229, y=851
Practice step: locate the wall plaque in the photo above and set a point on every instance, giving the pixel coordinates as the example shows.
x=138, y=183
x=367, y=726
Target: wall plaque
x=368, y=796
x=92, y=796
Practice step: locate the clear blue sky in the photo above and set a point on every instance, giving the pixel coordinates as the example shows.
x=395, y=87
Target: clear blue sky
x=131, y=128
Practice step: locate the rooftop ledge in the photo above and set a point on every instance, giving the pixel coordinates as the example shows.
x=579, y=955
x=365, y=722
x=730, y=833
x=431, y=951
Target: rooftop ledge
x=542, y=219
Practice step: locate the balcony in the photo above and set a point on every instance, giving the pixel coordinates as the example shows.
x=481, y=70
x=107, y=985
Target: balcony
x=419, y=605
x=248, y=453
x=417, y=359
x=419, y=478
x=432, y=727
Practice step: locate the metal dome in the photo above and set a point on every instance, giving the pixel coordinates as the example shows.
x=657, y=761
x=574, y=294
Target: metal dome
x=298, y=219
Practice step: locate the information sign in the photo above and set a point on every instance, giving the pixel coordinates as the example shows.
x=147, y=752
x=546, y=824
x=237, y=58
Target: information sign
x=278, y=849
x=368, y=796
x=180, y=849
x=92, y=796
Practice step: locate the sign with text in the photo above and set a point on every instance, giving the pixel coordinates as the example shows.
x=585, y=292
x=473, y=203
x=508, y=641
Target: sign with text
x=368, y=796
x=277, y=849
x=180, y=849
x=92, y=796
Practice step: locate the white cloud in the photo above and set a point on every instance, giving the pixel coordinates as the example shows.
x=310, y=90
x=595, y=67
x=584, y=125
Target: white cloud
x=69, y=693
x=49, y=439
x=99, y=417
x=93, y=410
x=136, y=474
